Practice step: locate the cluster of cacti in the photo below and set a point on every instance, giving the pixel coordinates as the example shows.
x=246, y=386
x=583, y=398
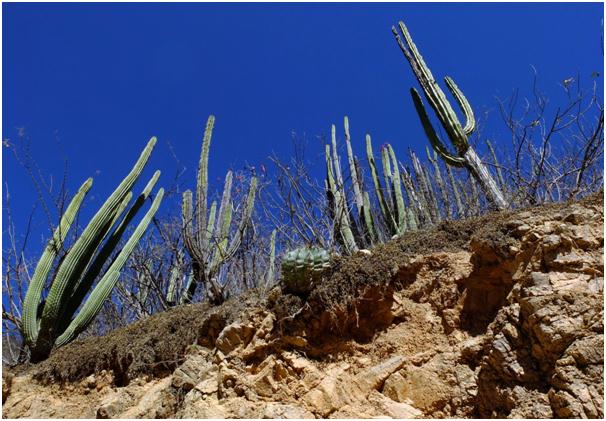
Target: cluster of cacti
x=338, y=206
x=458, y=134
x=208, y=238
x=179, y=283
x=53, y=322
x=302, y=268
x=405, y=198
x=355, y=225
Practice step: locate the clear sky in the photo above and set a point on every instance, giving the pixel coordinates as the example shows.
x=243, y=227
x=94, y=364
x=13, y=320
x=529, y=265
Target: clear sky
x=100, y=79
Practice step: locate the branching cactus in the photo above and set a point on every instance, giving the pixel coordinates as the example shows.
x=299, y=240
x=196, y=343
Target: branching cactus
x=302, y=268
x=53, y=322
x=208, y=236
x=458, y=134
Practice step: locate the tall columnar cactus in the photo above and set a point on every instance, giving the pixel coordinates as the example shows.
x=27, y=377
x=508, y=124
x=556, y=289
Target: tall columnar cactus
x=302, y=268
x=337, y=202
x=54, y=322
x=396, y=216
x=465, y=155
x=207, y=237
x=271, y=265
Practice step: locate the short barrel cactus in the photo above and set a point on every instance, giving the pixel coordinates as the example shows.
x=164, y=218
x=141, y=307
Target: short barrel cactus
x=302, y=267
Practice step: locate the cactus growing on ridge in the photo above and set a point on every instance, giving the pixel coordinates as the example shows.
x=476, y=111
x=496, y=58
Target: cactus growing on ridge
x=207, y=237
x=303, y=267
x=465, y=155
x=51, y=323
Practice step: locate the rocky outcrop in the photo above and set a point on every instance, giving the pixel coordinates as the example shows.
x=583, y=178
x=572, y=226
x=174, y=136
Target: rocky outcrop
x=510, y=326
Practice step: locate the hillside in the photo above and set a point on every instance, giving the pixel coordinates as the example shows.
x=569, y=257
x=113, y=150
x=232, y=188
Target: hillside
x=498, y=316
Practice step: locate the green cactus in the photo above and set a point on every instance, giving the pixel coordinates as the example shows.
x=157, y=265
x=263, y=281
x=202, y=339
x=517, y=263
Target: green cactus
x=207, y=240
x=396, y=216
x=337, y=201
x=302, y=268
x=52, y=323
x=271, y=265
x=465, y=155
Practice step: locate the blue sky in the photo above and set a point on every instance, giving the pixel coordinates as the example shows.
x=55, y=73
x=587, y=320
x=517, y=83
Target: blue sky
x=102, y=78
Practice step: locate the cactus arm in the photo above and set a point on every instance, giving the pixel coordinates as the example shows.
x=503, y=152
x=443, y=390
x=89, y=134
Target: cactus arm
x=187, y=217
x=202, y=182
x=271, y=267
x=389, y=221
x=435, y=96
x=431, y=134
x=34, y=291
x=397, y=189
x=69, y=301
x=369, y=222
x=340, y=211
x=336, y=160
x=211, y=222
x=171, y=294
x=387, y=175
x=189, y=289
x=106, y=250
x=246, y=218
x=355, y=179
x=223, y=222
x=219, y=256
x=470, y=120
x=95, y=301
x=80, y=254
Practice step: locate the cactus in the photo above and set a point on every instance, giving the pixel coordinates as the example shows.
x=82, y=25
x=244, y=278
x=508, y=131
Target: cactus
x=302, y=268
x=396, y=216
x=207, y=237
x=366, y=221
x=465, y=155
x=271, y=266
x=337, y=201
x=433, y=159
x=52, y=322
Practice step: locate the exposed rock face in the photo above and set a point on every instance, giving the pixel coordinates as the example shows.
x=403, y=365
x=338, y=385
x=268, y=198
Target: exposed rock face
x=510, y=327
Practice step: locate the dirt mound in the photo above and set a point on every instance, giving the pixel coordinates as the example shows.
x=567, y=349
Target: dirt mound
x=154, y=346
x=497, y=316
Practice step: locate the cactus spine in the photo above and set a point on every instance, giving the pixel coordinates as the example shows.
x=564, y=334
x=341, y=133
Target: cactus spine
x=208, y=240
x=465, y=155
x=83, y=263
